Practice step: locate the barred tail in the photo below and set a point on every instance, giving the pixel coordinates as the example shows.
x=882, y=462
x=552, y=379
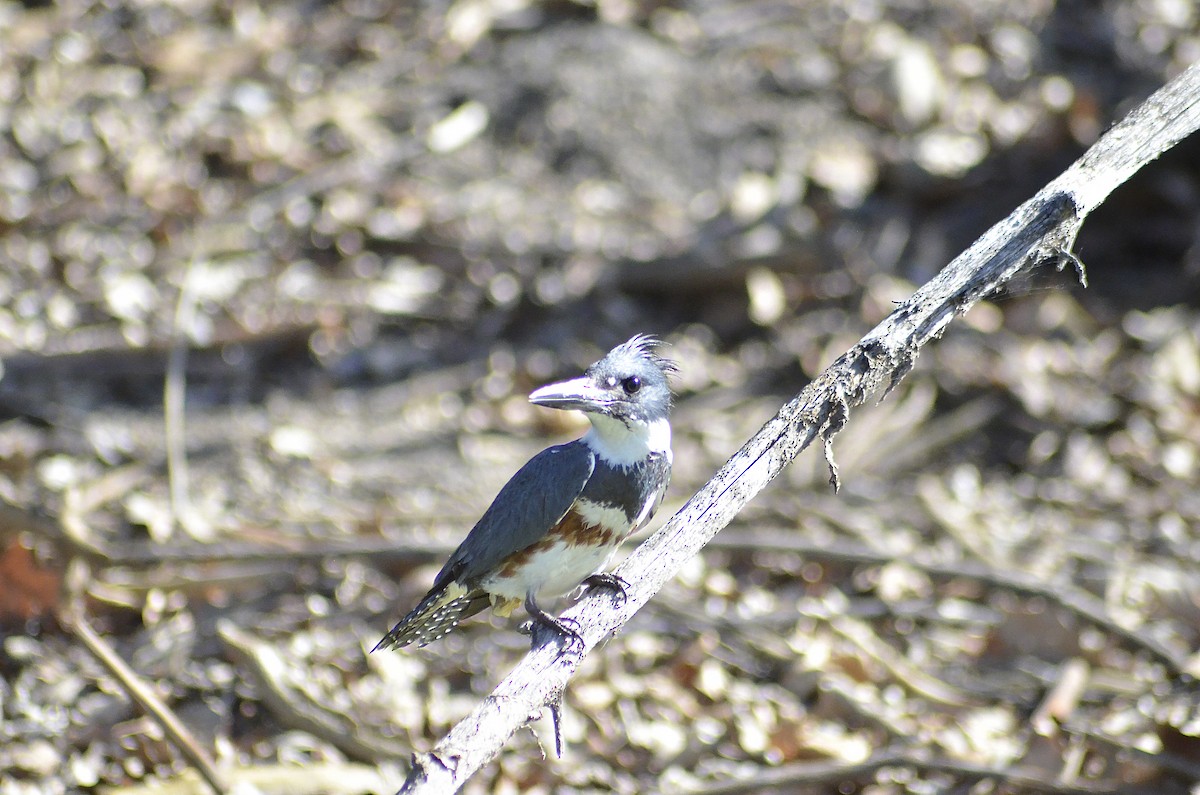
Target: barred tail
x=437, y=614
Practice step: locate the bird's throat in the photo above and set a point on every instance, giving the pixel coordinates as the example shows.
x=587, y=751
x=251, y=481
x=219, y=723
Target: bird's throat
x=625, y=444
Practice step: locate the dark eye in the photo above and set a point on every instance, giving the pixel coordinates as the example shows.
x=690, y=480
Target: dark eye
x=631, y=384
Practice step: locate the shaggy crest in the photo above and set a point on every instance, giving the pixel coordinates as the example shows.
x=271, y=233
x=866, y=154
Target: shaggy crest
x=647, y=346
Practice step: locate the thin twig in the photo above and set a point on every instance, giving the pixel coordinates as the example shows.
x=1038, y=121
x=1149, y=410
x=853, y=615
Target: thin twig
x=1061, y=594
x=311, y=778
x=860, y=634
x=74, y=617
x=294, y=707
x=789, y=777
x=1062, y=699
x=174, y=415
x=1187, y=769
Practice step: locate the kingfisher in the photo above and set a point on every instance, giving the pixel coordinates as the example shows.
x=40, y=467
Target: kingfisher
x=556, y=523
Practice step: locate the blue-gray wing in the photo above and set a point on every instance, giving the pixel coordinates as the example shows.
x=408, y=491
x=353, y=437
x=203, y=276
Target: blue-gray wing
x=532, y=502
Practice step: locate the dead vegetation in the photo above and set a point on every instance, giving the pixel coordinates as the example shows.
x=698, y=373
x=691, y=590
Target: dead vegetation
x=277, y=281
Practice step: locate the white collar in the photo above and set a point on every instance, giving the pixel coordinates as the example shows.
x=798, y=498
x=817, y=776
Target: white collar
x=623, y=445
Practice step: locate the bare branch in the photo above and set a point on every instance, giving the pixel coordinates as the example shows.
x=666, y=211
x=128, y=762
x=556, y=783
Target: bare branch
x=808, y=774
x=296, y=709
x=1043, y=229
x=174, y=415
x=74, y=618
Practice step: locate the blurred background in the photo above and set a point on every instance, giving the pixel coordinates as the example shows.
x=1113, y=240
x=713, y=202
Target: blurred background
x=276, y=279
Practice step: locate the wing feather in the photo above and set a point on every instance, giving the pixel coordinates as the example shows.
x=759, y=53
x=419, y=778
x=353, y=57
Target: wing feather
x=532, y=502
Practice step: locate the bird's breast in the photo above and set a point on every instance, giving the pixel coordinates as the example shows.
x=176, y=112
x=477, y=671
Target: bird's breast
x=579, y=545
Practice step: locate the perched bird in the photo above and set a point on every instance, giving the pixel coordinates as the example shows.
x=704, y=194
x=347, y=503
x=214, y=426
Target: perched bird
x=556, y=523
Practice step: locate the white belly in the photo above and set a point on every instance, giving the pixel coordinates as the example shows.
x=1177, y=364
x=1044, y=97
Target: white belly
x=551, y=572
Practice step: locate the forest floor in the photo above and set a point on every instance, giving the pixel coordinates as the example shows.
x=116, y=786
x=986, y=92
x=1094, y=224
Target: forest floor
x=275, y=281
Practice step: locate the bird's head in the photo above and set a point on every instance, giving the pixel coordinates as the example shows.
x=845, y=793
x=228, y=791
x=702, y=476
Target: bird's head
x=629, y=385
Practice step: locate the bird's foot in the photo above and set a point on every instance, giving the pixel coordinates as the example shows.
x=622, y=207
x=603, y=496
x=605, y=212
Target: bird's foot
x=564, y=630
x=609, y=582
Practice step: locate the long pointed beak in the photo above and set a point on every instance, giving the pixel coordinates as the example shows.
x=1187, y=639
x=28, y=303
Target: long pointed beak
x=579, y=394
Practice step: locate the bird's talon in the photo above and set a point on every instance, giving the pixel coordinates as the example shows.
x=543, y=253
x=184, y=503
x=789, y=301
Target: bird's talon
x=564, y=631
x=609, y=582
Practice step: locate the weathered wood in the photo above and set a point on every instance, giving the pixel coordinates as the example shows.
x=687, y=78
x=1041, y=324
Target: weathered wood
x=1040, y=231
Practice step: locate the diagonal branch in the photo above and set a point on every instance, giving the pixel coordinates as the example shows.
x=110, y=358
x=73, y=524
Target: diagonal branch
x=74, y=618
x=1041, y=230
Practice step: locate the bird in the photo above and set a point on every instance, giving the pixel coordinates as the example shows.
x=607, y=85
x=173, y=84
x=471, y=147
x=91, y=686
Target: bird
x=558, y=520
